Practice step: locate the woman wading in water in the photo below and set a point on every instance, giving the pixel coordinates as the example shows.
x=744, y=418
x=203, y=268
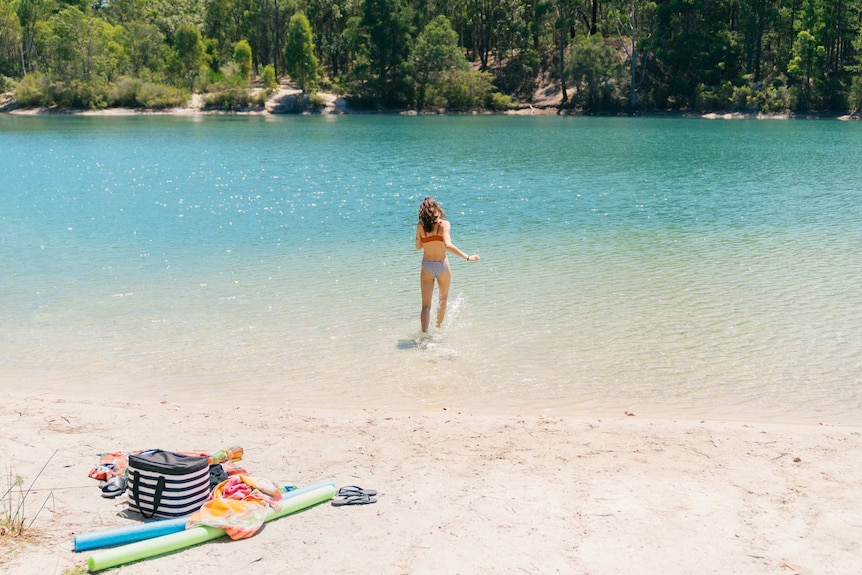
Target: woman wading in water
x=433, y=237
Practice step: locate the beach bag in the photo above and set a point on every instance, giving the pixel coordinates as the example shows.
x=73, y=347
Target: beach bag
x=167, y=484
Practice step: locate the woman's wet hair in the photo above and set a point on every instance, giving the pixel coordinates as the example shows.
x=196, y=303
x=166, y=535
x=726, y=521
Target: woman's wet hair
x=430, y=213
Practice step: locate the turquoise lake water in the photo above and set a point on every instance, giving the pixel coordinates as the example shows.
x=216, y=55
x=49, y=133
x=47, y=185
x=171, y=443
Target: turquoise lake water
x=665, y=267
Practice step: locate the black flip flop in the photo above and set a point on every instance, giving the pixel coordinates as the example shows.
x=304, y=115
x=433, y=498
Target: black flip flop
x=349, y=490
x=354, y=500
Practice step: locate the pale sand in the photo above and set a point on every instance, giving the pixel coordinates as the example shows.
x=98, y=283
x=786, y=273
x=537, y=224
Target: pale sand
x=461, y=492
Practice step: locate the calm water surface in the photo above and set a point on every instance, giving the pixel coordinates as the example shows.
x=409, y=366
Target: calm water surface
x=677, y=267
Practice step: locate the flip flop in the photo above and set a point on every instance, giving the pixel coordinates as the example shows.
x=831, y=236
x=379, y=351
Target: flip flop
x=349, y=490
x=354, y=500
x=114, y=486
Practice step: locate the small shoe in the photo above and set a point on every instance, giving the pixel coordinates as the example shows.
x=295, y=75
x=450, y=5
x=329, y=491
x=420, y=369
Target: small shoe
x=114, y=486
x=349, y=490
x=353, y=500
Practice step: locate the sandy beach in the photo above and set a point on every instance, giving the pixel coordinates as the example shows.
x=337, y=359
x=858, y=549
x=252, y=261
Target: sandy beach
x=459, y=492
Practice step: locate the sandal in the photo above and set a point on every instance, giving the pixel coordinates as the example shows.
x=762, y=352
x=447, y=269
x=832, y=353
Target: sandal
x=349, y=490
x=114, y=487
x=354, y=500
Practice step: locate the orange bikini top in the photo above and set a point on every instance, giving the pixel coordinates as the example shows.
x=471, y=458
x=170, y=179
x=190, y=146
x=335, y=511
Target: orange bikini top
x=435, y=238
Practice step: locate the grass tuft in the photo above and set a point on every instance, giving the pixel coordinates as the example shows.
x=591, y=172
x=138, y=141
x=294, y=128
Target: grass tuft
x=13, y=500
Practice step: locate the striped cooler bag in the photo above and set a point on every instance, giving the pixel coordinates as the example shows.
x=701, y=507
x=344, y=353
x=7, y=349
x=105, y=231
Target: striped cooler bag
x=167, y=484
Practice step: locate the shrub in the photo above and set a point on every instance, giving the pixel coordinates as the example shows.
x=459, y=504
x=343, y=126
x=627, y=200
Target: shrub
x=136, y=93
x=461, y=90
x=231, y=98
x=316, y=101
x=242, y=58
x=498, y=102
x=160, y=96
x=855, y=97
x=125, y=92
x=270, y=84
x=34, y=91
x=768, y=99
x=38, y=90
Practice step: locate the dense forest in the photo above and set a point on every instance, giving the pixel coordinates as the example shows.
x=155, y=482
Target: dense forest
x=610, y=56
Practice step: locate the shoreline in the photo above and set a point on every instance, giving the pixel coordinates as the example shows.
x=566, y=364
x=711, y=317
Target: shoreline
x=460, y=492
x=336, y=105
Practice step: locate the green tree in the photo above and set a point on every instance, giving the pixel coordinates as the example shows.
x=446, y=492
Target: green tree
x=143, y=44
x=302, y=64
x=32, y=14
x=390, y=31
x=755, y=24
x=270, y=83
x=436, y=50
x=223, y=23
x=191, y=52
x=171, y=15
x=464, y=90
x=10, y=40
x=634, y=26
x=328, y=19
x=84, y=47
x=695, y=44
x=123, y=11
x=592, y=67
x=242, y=57
x=808, y=56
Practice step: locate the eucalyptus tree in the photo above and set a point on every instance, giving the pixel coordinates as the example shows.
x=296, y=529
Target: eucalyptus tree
x=170, y=15
x=10, y=40
x=695, y=47
x=592, y=65
x=755, y=23
x=808, y=57
x=436, y=51
x=191, y=53
x=633, y=21
x=243, y=59
x=223, y=23
x=539, y=17
x=122, y=11
x=265, y=27
x=389, y=28
x=329, y=22
x=841, y=26
x=302, y=63
x=480, y=35
x=83, y=47
x=144, y=46
x=32, y=13
x=566, y=12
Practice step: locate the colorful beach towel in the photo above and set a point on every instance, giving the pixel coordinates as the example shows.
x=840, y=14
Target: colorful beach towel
x=110, y=465
x=239, y=505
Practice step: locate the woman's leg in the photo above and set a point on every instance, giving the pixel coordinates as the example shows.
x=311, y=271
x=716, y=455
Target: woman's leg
x=443, y=292
x=426, y=280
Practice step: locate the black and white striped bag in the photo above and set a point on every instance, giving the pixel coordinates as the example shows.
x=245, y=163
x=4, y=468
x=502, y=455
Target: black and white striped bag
x=167, y=484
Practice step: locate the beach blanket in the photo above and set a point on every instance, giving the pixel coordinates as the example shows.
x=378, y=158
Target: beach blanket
x=239, y=505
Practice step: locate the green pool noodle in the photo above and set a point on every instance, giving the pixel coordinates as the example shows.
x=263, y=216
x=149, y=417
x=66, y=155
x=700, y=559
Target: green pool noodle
x=293, y=502
x=114, y=536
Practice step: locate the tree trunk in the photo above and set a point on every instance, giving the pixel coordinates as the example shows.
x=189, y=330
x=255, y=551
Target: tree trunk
x=563, y=65
x=633, y=92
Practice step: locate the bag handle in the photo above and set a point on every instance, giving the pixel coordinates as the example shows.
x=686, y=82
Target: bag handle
x=157, y=496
